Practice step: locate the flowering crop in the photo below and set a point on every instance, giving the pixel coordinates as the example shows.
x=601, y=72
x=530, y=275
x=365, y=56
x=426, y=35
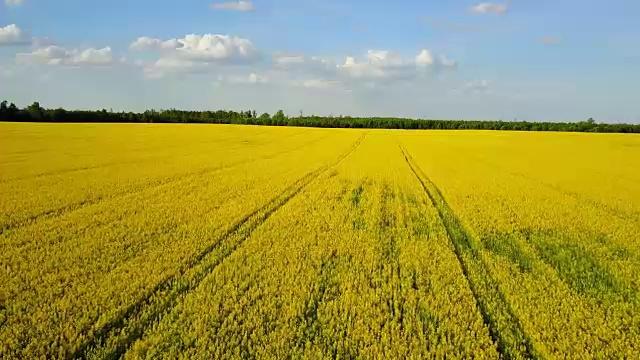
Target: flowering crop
x=216, y=241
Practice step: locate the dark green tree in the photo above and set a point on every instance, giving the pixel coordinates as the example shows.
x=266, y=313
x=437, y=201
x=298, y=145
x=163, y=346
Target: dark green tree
x=279, y=118
x=35, y=111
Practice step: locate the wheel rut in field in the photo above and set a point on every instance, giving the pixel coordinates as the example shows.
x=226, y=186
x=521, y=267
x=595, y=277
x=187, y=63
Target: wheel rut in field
x=61, y=211
x=325, y=288
x=504, y=326
x=115, y=337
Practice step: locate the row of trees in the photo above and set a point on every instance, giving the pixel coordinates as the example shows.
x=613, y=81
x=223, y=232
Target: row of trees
x=35, y=113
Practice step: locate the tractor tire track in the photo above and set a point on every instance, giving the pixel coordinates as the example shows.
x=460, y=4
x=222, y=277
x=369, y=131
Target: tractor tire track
x=497, y=313
x=119, y=334
x=54, y=213
x=325, y=288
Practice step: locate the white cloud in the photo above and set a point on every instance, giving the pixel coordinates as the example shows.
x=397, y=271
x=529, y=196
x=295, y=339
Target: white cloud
x=234, y=6
x=378, y=64
x=425, y=58
x=205, y=48
x=194, y=53
x=216, y=47
x=375, y=68
x=12, y=35
x=50, y=55
x=92, y=56
x=13, y=2
x=389, y=66
x=356, y=69
x=484, y=8
x=144, y=43
x=384, y=58
x=152, y=44
x=57, y=55
x=205, y=54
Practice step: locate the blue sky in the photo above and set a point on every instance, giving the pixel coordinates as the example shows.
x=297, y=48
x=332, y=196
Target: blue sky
x=546, y=60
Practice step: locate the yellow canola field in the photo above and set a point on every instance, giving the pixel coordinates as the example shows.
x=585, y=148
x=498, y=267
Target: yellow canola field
x=215, y=241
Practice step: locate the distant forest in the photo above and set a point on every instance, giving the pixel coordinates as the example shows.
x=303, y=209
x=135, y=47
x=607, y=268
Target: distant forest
x=35, y=113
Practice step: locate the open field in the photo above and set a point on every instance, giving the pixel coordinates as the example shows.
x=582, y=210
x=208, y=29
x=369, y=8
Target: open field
x=213, y=241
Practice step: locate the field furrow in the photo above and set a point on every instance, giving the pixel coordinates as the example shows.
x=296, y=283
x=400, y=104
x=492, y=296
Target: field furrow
x=568, y=268
x=80, y=271
x=505, y=327
x=115, y=337
x=345, y=269
x=92, y=197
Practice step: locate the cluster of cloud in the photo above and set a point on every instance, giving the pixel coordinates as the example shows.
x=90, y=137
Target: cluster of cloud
x=242, y=6
x=206, y=48
x=43, y=52
x=224, y=55
x=12, y=35
x=235, y=60
x=375, y=67
x=194, y=52
x=57, y=55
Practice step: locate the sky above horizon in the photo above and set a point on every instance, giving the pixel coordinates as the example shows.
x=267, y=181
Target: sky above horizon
x=546, y=60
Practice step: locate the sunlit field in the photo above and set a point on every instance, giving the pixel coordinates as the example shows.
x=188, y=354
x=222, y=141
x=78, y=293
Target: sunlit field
x=222, y=241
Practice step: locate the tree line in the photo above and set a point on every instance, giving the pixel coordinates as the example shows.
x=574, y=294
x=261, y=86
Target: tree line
x=36, y=113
